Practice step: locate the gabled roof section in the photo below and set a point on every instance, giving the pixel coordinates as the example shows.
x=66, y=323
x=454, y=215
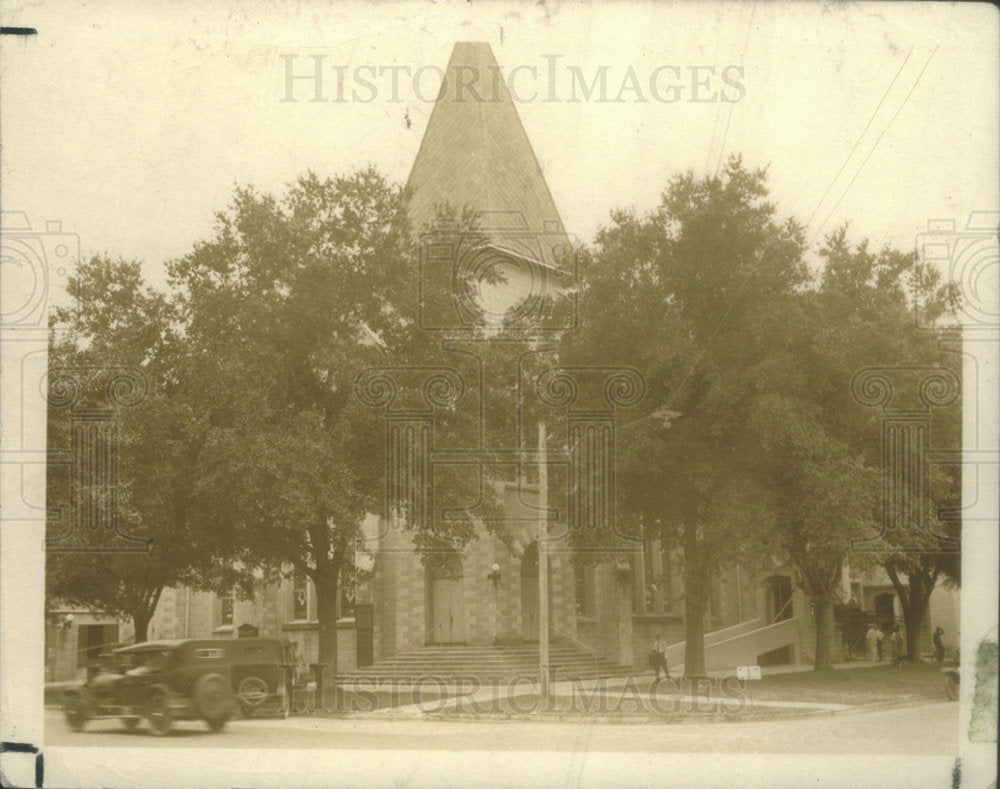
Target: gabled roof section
x=475, y=155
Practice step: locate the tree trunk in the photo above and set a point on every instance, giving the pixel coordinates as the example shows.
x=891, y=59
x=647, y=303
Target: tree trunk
x=142, y=615
x=694, y=603
x=914, y=598
x=140, y=621
x=912, y=623
x=824, y=633
x=327, y=594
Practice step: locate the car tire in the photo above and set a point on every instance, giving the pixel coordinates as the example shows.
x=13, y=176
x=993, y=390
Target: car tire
x=76, y=713
x=159, y=715
x=217, y=724
x=130, y=722
x=252, y=691
x=213, y=697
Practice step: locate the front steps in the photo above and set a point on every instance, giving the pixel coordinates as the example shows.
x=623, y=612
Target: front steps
x=488, y=662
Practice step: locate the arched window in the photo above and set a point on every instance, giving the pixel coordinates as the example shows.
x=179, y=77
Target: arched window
x=300, y=597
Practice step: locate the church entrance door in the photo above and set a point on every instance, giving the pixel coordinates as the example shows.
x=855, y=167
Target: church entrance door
x=446, y=601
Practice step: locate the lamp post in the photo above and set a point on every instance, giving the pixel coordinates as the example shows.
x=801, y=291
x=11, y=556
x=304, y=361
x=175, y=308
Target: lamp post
x=494, y=576
x=543, y=567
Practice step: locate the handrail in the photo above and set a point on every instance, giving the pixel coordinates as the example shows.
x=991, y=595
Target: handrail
x=577, y=643
x=746, y=626
x=431, y=630
x=572, y=639
x=788, y=602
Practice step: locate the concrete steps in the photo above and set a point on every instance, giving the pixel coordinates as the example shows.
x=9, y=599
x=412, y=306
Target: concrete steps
x=485, y=662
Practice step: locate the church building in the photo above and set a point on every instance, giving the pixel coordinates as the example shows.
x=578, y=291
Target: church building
x=479, y=608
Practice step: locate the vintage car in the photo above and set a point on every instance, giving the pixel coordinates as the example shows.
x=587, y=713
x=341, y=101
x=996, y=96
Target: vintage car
x=256, y=672
x=161, y=681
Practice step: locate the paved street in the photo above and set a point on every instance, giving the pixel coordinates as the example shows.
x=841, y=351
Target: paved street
x=923, y=729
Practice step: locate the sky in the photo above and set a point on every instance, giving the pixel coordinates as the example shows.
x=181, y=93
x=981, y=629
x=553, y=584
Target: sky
x=132, y=123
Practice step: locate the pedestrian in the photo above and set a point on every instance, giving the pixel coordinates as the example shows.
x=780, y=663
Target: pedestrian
x=938, y=644
x=658, y=657
x=896, y=642
x=871, y=639
x=879, y=638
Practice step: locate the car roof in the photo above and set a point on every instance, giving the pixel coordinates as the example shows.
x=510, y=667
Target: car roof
x=168, y=644
x=176, y=643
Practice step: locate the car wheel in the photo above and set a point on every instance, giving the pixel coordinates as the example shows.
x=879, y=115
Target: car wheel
x=216, y=724
x=251, y=692
x=212, y=696
x=159, y=715
x=131, y=722
x=76, y=713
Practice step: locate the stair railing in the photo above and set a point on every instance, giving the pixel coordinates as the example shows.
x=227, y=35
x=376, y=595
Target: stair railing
x=578, y=644
x=428, y=632
x=777, y=617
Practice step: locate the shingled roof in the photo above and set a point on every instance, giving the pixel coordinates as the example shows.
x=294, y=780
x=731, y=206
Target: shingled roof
x=475, y=155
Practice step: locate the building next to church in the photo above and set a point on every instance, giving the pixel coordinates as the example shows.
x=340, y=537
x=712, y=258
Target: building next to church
x=483, y=601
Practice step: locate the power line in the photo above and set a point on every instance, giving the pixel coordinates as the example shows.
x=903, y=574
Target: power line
x=857, y=142
x=877, y=141
x=729, y=115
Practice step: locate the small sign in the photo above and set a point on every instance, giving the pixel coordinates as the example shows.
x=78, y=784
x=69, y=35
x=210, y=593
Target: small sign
x=747, y=672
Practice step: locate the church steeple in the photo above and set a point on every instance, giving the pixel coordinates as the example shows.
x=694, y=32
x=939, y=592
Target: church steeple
x=475, y=154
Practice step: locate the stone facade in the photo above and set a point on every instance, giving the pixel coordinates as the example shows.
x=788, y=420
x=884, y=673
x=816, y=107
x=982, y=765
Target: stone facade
x=487, y=610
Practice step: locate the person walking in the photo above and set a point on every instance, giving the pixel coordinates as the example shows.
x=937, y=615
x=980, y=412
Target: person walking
x=938, y=644
x=658, y=657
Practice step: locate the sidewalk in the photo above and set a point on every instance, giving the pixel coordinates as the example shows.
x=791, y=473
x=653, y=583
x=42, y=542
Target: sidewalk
x=721, y=694
x=519, y=696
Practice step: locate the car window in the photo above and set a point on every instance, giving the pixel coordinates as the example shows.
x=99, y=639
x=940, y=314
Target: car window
x=209, y=654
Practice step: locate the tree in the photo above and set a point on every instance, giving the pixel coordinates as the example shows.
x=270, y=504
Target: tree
x=821, y=449
x=690, y=295
x=917, y=559
x=120, y=333
x=282, y=311
x=824, y=497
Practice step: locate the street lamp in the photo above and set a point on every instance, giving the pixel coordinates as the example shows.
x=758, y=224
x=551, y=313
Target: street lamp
x=494, y=576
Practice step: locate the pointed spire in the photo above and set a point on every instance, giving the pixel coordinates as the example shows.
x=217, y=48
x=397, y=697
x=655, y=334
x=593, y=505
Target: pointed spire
x=475, y=154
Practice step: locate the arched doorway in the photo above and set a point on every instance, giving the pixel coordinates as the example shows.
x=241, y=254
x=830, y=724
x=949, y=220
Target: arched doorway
x=779, y=598
x=445, y=599
x=885, y=609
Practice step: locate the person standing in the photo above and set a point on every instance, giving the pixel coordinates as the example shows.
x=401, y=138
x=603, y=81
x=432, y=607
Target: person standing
x=871, y=639
x=896, y=644
x=938, y=644
x=658, y=657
